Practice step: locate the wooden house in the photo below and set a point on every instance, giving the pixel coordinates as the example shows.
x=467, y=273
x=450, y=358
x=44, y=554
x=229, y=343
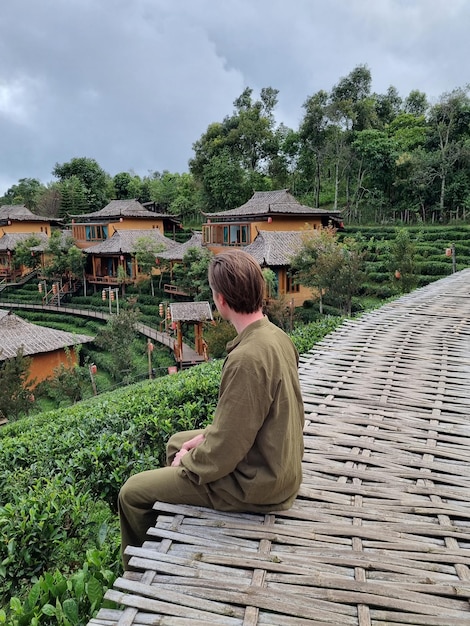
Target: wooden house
x=93, y=228
x=46, y=346
x=270, y=227
x=17, y=224
x=19, y=219
x=268, y=211
x=274, y=250
x=9, y=273
x=108, y=238
x=113, y=261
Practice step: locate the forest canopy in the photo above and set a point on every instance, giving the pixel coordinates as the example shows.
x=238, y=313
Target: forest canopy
x=376, y=157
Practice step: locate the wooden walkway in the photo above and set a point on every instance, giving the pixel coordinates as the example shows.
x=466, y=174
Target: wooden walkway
x=380, y=532
x=190, y=356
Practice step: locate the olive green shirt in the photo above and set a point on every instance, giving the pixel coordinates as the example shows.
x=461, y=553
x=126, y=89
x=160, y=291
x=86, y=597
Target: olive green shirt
x=251, y=457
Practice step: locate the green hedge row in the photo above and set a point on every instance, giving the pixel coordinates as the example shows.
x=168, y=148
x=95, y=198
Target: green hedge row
x=60, y=473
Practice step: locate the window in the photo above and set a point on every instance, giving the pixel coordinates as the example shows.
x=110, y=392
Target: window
x=226, y=234
x=96, y=233
x=236, y=234
x=291, y=286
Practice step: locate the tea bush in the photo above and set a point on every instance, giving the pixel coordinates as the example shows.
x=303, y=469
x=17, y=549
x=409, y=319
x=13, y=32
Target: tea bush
x=60, y=473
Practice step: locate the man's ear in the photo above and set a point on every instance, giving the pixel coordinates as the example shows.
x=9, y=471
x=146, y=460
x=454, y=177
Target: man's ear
x=221, y=298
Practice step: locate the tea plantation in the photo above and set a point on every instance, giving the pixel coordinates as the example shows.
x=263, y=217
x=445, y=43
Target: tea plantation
x=60, y=473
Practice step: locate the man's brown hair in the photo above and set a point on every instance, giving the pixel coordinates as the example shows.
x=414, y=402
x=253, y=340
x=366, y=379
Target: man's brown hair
x=238, y=277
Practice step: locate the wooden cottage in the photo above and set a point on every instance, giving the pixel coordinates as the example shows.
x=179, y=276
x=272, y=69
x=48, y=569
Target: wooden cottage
x=93, y=228
x=274, y=250
x=19, y=219
x=113, y=261
x=9, y=273
x=270, y=227
x=17, y=224
x=46, y=346
x=268, y=211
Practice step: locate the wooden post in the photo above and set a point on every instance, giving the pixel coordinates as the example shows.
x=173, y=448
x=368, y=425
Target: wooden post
x=149, y=352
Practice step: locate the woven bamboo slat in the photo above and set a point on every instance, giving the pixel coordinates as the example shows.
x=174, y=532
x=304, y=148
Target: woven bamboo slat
x=380, y=531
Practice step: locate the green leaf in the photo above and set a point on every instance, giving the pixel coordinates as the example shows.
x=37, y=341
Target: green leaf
x=16, y=606
x=70, y=608
x=94, y=590
x=102, y=534
x=48, y=609
x=33, y=595
x=78, y=584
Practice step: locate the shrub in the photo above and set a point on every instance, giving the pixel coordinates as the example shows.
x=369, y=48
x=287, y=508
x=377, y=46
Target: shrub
x=305, y=337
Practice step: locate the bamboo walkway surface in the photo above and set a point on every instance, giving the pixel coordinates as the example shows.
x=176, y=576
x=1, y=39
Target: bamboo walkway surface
x=380, y=532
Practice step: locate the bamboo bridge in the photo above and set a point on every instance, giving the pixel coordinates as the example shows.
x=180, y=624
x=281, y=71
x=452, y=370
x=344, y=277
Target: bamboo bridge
x=380, y=532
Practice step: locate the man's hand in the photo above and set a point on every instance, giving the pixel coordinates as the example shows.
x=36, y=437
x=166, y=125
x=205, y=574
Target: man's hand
x=186, y=447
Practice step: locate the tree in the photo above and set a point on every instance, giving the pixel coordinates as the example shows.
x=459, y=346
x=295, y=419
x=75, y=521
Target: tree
x=146, y=250
x=50, y=201
x=235, y=155
x=15, y=389
x=313, y=140
x=217, y=334
x=127, y=186
x=68, y=380
x=65, y=260
x=225, y=182
x=73, y=194
x=402, y=260
x=26, y=255
x=177, y=194
x=191, y=274
x=329, y=267
x=270, y=279
x=351, y=101
x=117, y=338
x=449, y=121
x=388, y=106
x=91, y=175
x=378, y=155
x=303, y=264
x=416, y=103
x=347, y=278
x=28, y=192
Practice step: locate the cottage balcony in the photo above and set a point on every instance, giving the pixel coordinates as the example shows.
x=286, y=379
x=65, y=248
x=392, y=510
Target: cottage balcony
x=9, y=274
x=108, y=280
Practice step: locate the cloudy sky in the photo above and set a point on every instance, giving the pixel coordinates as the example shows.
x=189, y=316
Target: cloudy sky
x=133, y=83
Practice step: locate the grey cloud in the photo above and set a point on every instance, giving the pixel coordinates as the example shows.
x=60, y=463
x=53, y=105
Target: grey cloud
x=133, y=83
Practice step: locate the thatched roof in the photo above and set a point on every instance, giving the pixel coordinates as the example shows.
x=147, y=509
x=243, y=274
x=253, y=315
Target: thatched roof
x=190, y=311
x=119, y=208
x=9, y=241
x=275, y=248
x=20, y=213
x=34, y=339
x=124, y=242
x=266, y=203
x=179, y=250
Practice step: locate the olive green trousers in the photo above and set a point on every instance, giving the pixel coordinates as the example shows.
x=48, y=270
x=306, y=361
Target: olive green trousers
x=167, y=484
